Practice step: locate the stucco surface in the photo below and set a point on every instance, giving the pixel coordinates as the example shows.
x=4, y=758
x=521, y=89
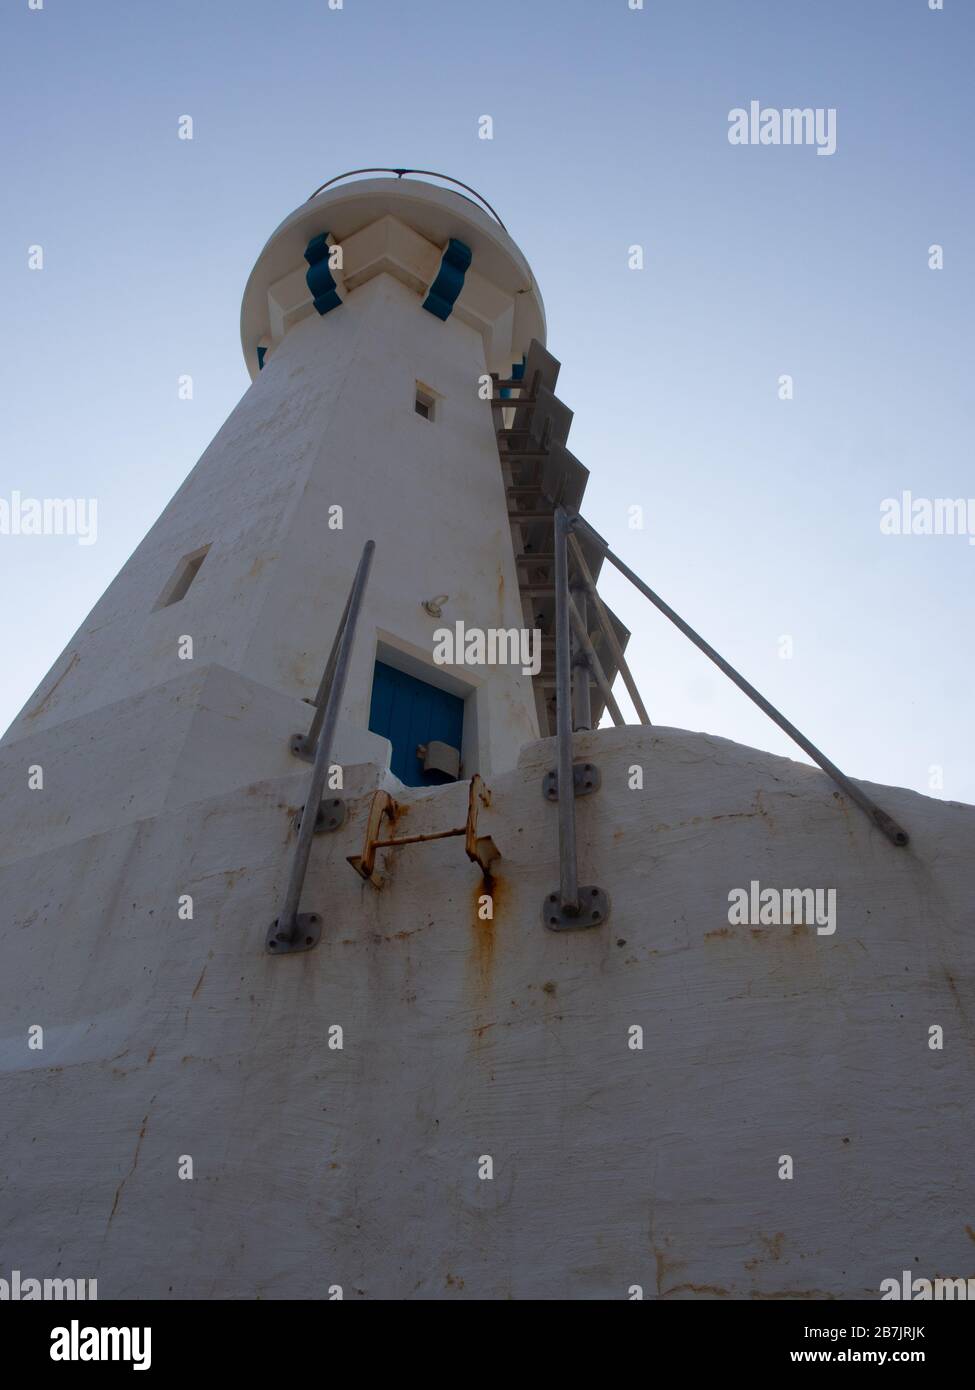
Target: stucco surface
x=358, y=1167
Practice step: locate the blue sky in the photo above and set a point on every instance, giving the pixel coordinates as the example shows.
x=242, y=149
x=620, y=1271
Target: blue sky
x=610, y=129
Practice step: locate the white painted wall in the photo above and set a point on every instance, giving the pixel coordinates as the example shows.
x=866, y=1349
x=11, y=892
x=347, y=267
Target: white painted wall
x=613, y=1167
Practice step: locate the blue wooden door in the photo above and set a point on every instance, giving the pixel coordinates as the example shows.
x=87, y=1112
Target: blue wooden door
x=409, y=712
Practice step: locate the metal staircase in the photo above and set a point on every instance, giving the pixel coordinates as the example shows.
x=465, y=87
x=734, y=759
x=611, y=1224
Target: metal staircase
x=540, y=474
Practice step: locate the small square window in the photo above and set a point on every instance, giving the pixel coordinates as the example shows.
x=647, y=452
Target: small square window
x=425, y=402
x=186, y=571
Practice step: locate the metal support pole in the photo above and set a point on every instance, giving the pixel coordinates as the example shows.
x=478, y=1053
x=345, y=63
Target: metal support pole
x=607, y=627
x=304, y=745
x=599, y=674
x=568, y=869
x=284, y=933
x=581, y=703
x=894, y=832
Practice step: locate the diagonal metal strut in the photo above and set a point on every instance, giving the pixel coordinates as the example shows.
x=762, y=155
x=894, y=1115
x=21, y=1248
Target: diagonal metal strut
x=894, y=832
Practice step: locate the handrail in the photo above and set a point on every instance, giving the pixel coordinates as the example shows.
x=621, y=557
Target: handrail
x=304, y=745
x=894, y=832
x=568, y=867
x=429, y=173
x=289, y=932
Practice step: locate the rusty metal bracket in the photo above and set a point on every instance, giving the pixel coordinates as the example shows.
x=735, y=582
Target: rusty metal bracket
x=481, y=849
x=593, y=910
x=381, y=806
x=586, y=779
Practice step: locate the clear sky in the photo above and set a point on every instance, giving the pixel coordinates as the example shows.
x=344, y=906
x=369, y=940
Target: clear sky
x=761, y=515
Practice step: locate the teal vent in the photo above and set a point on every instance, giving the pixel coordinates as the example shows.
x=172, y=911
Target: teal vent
x=319, y=278
x=450, y=280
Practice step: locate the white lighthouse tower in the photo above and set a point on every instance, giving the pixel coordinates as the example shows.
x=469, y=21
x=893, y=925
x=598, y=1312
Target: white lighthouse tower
x=366, y=416
x=446, y=1095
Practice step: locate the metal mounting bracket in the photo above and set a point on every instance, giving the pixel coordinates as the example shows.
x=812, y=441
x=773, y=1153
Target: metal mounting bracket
x=307, y=934
x=586, y=779
x=301, y=748
x=481, y=849
x=593, y=910
x=332, y=815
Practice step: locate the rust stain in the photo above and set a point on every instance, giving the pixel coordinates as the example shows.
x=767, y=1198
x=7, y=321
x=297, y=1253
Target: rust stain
x=196, y=987
x=480, y=965
x=454, y=1282
x=135, y=1161
x=818, y=1294
x=549, y=987
x=719, y=1292
x=484, y=926
x=152, y=1053
x=662, y=1270
x=762, y=810
x=694, y=1288
x=958, y=1003
x=841, y=802
x=772, y=1251
x=759, y=810
x=798, y=931
x=970, y=1233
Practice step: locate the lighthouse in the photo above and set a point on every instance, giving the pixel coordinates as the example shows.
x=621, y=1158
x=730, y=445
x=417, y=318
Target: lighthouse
x=699, y=1029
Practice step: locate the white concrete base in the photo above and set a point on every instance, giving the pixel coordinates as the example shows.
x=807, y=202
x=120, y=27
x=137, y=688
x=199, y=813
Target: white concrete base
x=315, y=1167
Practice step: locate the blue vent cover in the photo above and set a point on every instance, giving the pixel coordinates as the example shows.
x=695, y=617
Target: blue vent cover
x=319, y=278
x=450, y=279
